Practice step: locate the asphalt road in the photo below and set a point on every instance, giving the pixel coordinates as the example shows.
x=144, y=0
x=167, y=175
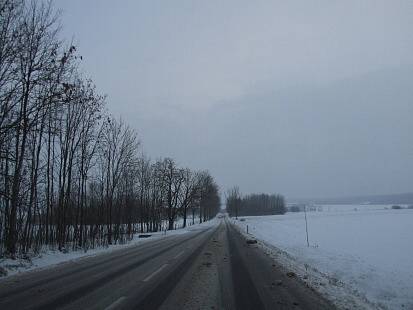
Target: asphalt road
x=207, y=268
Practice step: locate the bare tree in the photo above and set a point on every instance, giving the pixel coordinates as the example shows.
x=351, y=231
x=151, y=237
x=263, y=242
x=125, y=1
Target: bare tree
x=118, y=153
x=70, y=174
x=233, y=201
x=36, y=39
x=172, y=181
x=187, y=197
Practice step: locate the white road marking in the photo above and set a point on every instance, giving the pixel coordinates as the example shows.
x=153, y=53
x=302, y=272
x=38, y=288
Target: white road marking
x=116, y=303
x=155, y=273
x=179, y=254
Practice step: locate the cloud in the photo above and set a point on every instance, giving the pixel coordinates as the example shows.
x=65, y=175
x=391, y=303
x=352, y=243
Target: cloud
x=306, y=98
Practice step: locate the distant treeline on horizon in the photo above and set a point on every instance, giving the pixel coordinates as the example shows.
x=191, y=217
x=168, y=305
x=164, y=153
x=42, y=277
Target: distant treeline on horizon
x=254, y=204
x=404, y=198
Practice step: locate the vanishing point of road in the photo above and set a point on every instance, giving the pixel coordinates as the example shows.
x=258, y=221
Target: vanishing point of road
x=206, y=268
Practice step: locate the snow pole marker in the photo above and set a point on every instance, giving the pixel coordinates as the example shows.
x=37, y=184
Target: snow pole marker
x=306, y=225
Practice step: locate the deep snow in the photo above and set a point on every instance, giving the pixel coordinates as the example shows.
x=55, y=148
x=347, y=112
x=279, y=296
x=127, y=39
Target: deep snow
x=364, y=251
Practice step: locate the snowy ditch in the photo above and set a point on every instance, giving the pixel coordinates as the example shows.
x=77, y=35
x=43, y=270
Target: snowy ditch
x=360, y=256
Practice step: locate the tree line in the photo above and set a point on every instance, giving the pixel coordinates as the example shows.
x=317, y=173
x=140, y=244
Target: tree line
x=71, y=175
x=253, y=204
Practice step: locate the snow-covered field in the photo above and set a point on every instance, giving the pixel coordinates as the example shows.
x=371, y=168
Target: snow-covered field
x=363, y=250
x=49, y=257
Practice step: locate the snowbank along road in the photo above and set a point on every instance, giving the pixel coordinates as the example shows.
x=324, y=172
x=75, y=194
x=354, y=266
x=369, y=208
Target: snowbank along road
x=209, y=268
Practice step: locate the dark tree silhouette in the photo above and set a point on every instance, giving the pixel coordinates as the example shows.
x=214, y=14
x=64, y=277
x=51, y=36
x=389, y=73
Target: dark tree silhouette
x=71, y=176
x=254, y=204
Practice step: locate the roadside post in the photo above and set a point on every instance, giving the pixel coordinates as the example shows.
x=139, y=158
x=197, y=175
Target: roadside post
x=306, y=225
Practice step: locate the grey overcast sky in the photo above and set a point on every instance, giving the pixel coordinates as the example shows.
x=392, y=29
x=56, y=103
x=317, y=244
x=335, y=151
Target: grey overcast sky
x=305, y=98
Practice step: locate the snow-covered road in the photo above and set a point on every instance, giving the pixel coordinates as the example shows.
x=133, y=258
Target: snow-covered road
x=48, y=258
x=206, y=268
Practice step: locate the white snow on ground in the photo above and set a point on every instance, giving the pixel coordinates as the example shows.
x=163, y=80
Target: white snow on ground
x=365, y=252
x=48, y=258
